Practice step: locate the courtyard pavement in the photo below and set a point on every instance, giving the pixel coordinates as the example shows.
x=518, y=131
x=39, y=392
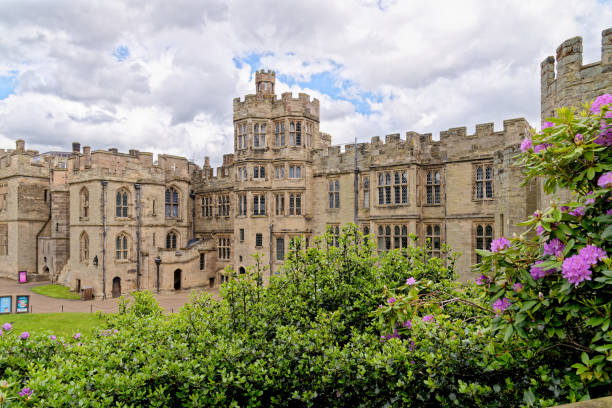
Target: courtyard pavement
x=43, y=304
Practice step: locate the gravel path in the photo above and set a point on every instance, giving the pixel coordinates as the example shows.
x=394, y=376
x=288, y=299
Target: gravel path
x=43, y=304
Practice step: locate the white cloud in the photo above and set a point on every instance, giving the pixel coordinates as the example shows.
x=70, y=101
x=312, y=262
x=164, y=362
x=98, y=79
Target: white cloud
x=428, y=66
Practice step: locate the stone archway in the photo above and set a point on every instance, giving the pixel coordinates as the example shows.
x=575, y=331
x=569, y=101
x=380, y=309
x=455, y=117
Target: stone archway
x=177, y=279
x=242, y=270
x=116, y=287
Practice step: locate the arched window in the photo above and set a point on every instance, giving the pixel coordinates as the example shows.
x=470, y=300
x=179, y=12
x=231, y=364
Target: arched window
x=484, y=182
x=121, y=203
x=172, y=202
x=366, y=192
x=84, y=247
x=121, y=246
x=433, y=188
x=484, y=237
x=171, y=240
x=433, y=235
x=84, y=202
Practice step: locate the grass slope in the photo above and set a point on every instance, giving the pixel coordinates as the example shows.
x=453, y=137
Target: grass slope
x=63, y=324
x=55, y=291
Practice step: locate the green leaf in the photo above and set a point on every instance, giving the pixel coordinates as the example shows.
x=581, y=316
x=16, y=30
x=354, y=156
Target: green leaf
x=585, y=358
x=508, y=332
x=607, y=233
x=529, y=397
x=590, y=173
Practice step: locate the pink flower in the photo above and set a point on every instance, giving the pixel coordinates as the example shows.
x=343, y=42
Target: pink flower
x=499, y=244
x=541, y=147
x=24, y=336
x=410, y=281
x=578, y=138
x=600, y=101
x=526, y=145
x=517, y=287
x=500, y=305
x=7, y=326
x=554, y=247
x=538, y=273
x=540, y=230
x=26, y=392
x=428, y=318
x=77, y=336
x=52, y=337
x=546, y=125
x=407, y=324
x=591, y=254
x=576, y=269
x=577, y=212
x=605, y=181
x=536, y=214
x=482, y=280
x=609, y=212
x=391, y=300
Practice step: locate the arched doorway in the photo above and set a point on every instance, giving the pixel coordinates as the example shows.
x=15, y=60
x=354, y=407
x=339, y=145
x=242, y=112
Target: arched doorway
x=116, y=287
x=46, y=269
x=177, y=279
x=242, y=270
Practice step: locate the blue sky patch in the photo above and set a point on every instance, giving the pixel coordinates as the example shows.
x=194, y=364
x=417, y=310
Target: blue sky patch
x=8, y=83
x=121, y=53
x=327, y=83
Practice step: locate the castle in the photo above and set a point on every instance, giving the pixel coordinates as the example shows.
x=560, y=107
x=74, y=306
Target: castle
x=118, y=222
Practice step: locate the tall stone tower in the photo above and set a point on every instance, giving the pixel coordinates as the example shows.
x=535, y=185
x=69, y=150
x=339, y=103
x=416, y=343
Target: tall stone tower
x=575, y=83
x=273, y=141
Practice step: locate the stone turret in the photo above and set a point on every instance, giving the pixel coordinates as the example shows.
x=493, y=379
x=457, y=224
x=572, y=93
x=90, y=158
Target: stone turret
x=574, y=83
x=264, y=82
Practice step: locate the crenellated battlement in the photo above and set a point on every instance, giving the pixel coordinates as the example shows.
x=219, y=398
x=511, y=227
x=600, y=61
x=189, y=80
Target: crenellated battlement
x=454, y=143
x=286, y=104
x=565, y=81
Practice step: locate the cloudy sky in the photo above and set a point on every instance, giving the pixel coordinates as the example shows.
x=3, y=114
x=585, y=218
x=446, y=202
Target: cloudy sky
x=161, y=75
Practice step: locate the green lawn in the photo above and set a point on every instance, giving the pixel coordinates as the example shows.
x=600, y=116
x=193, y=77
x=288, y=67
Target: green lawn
x=55, y=291
x=66, y=324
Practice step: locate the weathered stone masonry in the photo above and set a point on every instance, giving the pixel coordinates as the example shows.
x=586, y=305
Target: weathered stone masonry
x=102, y=218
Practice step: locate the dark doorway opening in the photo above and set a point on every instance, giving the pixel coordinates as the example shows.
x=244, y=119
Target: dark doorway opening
x=78, y=286
x=211, y=282
x=242, y=270
x=177, y=279
x=116, y=287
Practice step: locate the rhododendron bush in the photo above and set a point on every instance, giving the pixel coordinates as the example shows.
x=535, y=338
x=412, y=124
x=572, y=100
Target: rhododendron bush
x=346, y=326
x=562, y=263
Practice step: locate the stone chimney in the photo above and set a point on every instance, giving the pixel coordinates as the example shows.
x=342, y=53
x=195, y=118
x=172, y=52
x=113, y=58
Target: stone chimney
x=20, y=145
x=76, y=147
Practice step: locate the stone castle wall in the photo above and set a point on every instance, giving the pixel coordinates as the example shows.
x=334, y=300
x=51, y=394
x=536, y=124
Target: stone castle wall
x=435, y=189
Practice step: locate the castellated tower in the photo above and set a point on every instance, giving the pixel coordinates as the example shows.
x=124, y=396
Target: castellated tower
x=574, y=83
x=264, y=82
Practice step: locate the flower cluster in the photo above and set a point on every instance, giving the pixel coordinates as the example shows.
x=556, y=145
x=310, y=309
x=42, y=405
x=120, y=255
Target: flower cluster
x=482, y=280
x=499, y=244
x=500, y=305
x=26, y=392
x=538, y=273
x=577, y=212
x=605, y=137
x=6, y=327
x=577, y=268
x=605, y=181
x=429, y=318
x=554, y=247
